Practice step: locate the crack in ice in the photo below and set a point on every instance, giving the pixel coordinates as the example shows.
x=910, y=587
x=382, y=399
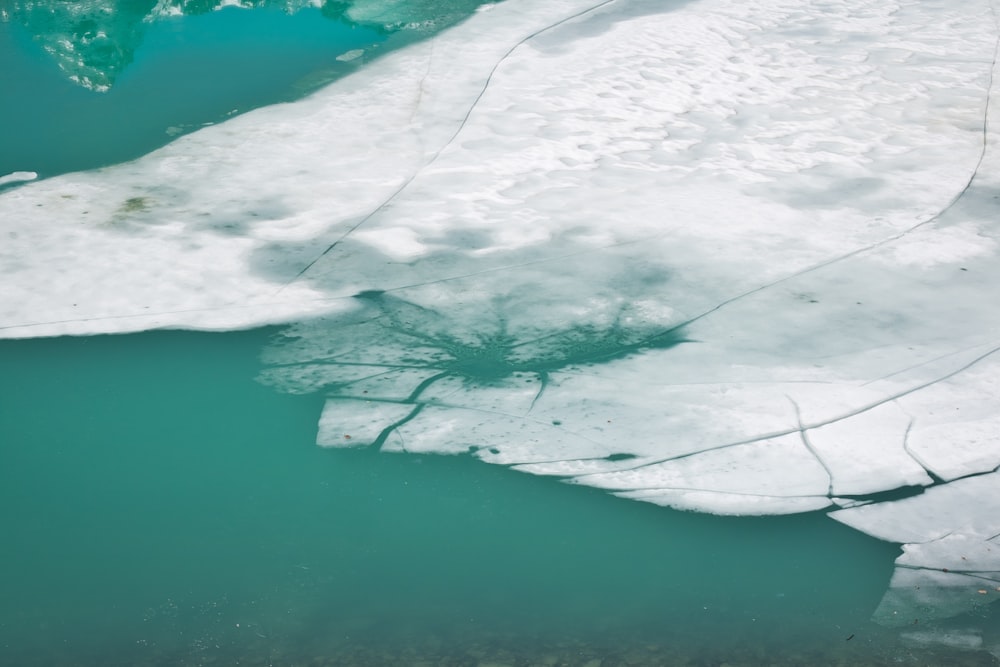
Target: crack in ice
x=433, y=158
x=802, y=430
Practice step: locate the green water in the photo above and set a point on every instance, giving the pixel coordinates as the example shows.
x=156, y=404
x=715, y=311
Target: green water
x=160, y=506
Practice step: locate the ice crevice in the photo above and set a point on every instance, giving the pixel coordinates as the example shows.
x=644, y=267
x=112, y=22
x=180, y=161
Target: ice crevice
x=915, y=457
x=803, y=433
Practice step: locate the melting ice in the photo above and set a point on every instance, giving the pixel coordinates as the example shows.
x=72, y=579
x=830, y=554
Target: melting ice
x=733, y=257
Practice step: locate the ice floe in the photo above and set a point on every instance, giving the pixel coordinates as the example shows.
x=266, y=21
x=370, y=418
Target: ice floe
x=17, y=177
x=735, y=257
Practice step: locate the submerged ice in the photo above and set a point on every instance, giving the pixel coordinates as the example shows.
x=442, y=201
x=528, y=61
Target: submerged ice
x=484, y=380
x=723, y=256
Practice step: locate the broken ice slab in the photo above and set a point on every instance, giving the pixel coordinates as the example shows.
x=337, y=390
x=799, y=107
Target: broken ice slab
x=968, y=506
x=17, y=177
x=775, y=468
x=737, y=504
x=605, y=395
x=924, y=596
x=951, y=548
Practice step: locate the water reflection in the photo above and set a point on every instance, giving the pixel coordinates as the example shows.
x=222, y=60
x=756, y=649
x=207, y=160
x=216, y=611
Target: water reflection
x=94, y=41
x=98, y=82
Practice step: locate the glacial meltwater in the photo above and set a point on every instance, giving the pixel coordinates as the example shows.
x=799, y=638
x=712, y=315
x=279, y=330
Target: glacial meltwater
x=594, y=333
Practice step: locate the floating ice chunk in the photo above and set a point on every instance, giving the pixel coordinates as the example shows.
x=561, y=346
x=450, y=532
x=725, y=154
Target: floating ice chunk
x=928, y=595
x=775, y=467
x=969, y=506
x=18, y=177
x=941, y=579
x=957, y=553
x=729, y=503
x=774, y=476
x=584, y=466
x=487, y=380
x=951, y=554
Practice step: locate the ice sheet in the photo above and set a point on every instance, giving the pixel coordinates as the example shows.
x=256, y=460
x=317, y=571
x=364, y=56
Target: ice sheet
x=736, y=257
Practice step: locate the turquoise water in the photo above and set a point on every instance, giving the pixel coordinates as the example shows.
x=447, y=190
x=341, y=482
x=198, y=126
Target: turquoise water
x=160, y=505
x=186, y=72
x=171, y=75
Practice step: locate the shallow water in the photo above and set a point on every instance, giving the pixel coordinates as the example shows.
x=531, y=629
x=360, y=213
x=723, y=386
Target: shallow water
x=160, y=505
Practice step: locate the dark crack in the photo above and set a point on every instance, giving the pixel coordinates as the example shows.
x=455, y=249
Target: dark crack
x=809, y=446
x=906, y=448
x=391, y=428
